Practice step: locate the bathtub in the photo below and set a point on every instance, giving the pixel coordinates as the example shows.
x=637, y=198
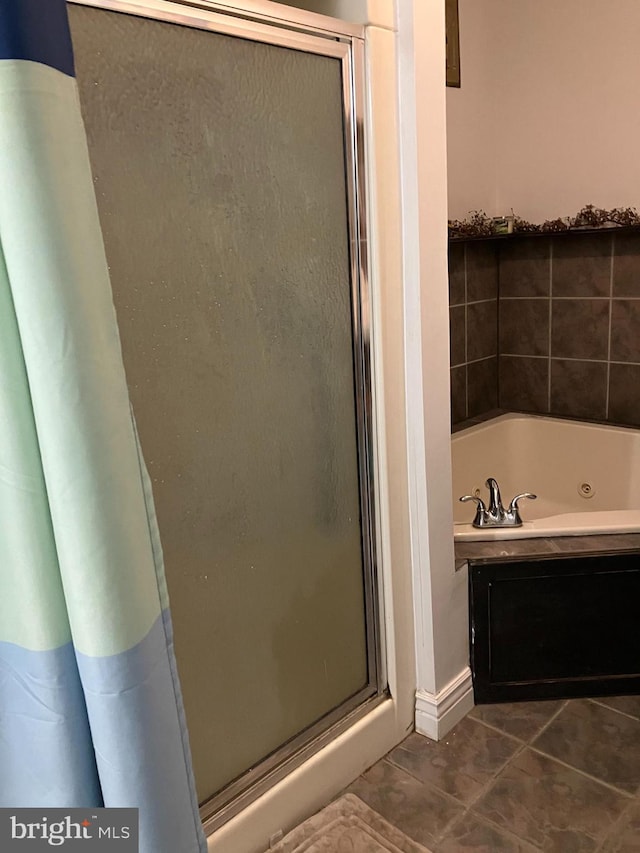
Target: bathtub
x=586, y=476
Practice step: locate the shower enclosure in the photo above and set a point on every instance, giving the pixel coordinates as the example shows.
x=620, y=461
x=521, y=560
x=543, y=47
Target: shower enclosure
x=227, y=160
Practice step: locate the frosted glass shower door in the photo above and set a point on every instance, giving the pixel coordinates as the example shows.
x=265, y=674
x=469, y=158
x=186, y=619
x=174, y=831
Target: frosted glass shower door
x=224, y=175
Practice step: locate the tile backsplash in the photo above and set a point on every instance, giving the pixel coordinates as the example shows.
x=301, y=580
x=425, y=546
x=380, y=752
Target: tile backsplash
x=547, y=325
x=473, y=317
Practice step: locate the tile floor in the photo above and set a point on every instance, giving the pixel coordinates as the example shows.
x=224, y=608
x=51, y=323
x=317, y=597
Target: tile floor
x=557, y=776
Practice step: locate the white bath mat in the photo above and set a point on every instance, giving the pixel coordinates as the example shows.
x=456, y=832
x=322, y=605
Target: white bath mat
x=347, y=826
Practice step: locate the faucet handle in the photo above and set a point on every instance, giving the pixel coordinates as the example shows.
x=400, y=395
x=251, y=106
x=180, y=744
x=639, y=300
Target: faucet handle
x=513, y=506
x=514, y=503
x=481, y=510
x=475, y=498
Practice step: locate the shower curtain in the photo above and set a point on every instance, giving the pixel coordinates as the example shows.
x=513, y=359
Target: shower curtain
x=90, y=706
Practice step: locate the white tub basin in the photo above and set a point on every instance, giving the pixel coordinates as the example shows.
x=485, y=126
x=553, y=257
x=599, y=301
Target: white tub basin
x=586, y=476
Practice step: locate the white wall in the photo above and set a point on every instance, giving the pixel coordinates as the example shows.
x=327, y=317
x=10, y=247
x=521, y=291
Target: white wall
x=563, y=80
x=440, y=594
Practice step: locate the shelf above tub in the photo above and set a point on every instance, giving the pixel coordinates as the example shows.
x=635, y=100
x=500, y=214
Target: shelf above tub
x=538, y=235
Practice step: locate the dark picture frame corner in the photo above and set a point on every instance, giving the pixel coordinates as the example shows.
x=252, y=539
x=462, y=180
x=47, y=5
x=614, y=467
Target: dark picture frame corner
x=452, y=28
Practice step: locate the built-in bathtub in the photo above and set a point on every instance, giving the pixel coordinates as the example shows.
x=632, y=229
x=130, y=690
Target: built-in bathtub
x=586, y=476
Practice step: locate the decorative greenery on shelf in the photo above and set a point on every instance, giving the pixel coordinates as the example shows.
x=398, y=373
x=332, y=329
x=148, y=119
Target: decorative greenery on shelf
x=478, y=224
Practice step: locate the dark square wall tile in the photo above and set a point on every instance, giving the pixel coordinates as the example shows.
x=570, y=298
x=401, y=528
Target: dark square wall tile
x=579, y=389
x=482, y=378
x=626, y=265
x=624, y=394
x=482, y=271
x=625, y=330
x=524, y=383
x=458, y=394
x=582, y=265
x=457, y=337
x=482, y=330
x=456, y=274
x=524, y=326
x=580, y=328
x=525, y=267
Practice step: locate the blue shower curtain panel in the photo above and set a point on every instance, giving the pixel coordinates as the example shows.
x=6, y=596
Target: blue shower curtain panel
x=90, y=706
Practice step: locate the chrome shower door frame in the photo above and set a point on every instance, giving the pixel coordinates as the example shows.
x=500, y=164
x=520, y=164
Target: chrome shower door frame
x=294, y=29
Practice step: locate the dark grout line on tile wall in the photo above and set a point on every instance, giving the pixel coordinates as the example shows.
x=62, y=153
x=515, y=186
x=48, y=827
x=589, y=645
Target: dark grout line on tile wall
x=566, y=358
x=550, y=323
x=550, y=326
x=611, y=275
x=478, y=360
x=572, y=298
x=466, y=336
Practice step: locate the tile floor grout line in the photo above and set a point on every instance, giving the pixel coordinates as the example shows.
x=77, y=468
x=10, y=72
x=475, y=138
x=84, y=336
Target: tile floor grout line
x=554, y=716
x=523, y=745
x=563, y=705
x=503, y=830
x=501, y=731
x=429, y=785
x=632, y=800
x=469, y=810
x=616, y=825
x=602, y=704
x=467, y=806
x=582, y=772
x=494, y=824
x=489, y=783
x=515, y=737
x=446, y=796
x=441, y=836
x=530, y=745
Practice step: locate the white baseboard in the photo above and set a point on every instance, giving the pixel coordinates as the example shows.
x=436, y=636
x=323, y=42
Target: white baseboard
x=437, y=713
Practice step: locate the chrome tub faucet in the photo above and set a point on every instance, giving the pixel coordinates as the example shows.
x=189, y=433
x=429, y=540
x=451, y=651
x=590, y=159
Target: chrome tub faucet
x=495, y=515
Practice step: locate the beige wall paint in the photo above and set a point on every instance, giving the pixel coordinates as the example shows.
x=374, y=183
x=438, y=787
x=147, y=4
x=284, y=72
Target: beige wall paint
x=472, y=114
x=558, y=82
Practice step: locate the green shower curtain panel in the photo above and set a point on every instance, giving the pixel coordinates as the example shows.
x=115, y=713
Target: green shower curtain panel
x=90, y=705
